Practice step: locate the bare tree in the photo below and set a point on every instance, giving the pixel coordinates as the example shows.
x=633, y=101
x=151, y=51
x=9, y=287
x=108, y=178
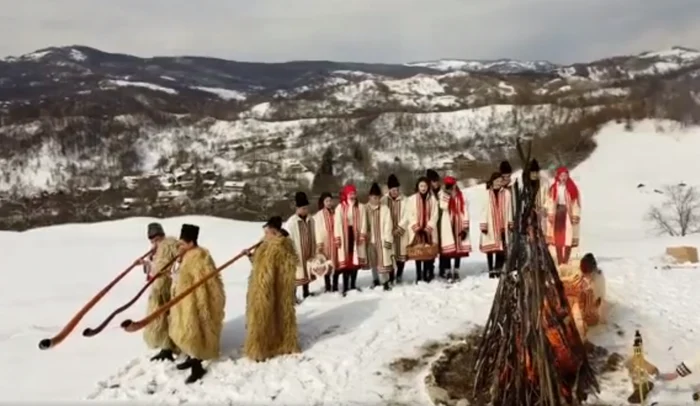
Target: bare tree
x=679, y=214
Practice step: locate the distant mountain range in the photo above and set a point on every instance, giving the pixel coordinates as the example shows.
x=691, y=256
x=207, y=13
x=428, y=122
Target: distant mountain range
x=76, y=119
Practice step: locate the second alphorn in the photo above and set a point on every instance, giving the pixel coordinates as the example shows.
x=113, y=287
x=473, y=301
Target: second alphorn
x=91, y=332
x=47, y=343
x=133, y=326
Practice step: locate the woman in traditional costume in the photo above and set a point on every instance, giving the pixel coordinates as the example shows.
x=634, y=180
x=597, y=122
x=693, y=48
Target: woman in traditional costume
x=454, y=227
x=420, y=219
x=350, y=228
x=564, y=216
x=496, y=221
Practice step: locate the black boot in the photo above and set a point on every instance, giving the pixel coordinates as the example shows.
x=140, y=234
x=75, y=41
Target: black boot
x=375, y=283
x=399, y=271
x=392, y=277
x=164, y=355
x=327, y=283
x=353, y=281
x=185, y=364
x=197, y=372
x=346, y=282
x=336, y=279
x=387, y=286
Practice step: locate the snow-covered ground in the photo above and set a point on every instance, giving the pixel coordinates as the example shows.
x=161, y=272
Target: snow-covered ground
x=347, y=342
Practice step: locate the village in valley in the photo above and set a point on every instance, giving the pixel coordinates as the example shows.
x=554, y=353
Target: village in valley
x=184, y=189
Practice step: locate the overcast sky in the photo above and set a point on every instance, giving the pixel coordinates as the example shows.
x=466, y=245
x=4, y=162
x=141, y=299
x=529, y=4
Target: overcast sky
x=353, y=30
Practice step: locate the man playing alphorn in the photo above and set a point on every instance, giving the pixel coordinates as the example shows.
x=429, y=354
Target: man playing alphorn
x=156, y=333
x=196, y=322
x=271, y=320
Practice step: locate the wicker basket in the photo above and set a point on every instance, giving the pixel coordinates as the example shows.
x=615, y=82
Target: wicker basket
x=420, y=250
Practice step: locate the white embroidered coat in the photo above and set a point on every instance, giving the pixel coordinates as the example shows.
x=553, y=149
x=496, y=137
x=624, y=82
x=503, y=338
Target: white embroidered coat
x=380, y=252
x=303, y=235
x=496, y=215
x=451, y=225
x=573, y=217
x=324, y=221
x=416, y=214
x=340, y=228
x=400, y=237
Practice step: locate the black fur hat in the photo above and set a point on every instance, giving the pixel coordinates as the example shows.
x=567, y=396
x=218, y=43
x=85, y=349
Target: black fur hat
x=505, y=168
x=321, y=198
x=534, y=166
x=189, y=233
x=392, y=181
x=155, y=230
x=301, y=200
x=375, y=190
x=432, y=175
x=274, y=222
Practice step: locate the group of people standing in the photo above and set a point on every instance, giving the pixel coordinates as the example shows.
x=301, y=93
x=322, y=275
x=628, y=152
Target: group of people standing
x=351, y=236
x=378, y=235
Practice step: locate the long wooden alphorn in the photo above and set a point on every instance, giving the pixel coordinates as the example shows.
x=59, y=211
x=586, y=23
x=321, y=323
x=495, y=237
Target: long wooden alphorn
x=133, y=326
x=91, y=332
x=47, y=343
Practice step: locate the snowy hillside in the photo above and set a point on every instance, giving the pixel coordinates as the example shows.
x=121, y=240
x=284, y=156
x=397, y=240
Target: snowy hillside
x=348, y=343
x=89, y=135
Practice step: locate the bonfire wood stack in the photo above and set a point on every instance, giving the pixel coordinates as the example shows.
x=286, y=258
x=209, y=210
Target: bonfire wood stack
x=531, y=352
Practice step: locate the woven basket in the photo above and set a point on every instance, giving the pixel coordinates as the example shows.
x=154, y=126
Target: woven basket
x=420, y=250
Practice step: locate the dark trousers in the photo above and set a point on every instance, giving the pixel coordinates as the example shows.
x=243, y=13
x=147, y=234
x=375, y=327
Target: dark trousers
x=397, y=274
x=305, y=291
x=349, y=275
x=349, y=280
x=425, y=271
x=497, y=260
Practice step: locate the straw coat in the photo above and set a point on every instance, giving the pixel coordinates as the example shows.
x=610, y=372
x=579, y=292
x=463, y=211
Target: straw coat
x=156, y=334
x=271, y=320
x=196, y=322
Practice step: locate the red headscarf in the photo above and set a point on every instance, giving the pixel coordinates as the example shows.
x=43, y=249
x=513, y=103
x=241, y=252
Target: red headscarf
x=570, y=185
x=347, y=189
x=456, y=202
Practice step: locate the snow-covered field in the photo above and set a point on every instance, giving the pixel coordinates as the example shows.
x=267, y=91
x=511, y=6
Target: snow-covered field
x=348, y=342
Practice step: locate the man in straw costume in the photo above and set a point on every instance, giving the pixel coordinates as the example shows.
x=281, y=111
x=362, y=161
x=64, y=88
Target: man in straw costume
x=156, y=333
x=271, y=320
x=196, y=322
